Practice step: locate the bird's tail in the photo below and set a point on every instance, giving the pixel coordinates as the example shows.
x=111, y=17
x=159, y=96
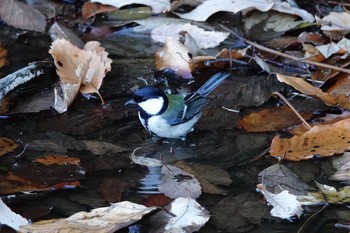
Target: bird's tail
x=212, y=83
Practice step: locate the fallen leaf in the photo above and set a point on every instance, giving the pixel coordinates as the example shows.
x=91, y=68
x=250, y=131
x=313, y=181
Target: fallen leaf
x=204, y=39
x=7, y=146
x=208, y=176
x=323, y=140
x=10, y=218
x=104, y=219
x=59, y=31
x=58, y=160
x=175, y=183
x=335, y=25
x=79, y=70
x=271, y=119
x=342, y=166
x=278, y=177
x=157, y=200
x=285, y=205
x=307, y=89
x=112, y=188
x=91, y=9
x=174, y=55
x=327, y=194
x=3, y=56
x=11, y=184
x=103, y=148
x=209, y=7
x=186, y=216
x=21, y=15
x=158, y=6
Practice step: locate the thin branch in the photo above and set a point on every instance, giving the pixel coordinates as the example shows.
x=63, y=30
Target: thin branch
x=307, y=126
x=266, y=49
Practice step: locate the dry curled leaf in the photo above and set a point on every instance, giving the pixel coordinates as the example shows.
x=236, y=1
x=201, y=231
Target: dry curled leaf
x=322, y=140
x=104, y=219
x=91, y=9
x=79, y=70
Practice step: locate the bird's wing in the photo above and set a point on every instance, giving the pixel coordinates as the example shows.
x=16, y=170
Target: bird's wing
x=182, y=108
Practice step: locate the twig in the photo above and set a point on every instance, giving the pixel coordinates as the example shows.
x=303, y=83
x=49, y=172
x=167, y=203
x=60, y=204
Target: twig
x=319, y=211
x=293, y=109
x=266, y=49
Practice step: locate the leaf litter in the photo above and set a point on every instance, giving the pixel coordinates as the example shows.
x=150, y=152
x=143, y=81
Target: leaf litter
x=319, y=71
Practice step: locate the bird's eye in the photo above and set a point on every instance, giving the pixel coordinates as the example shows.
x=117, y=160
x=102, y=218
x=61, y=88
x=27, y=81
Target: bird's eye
x=140, y=99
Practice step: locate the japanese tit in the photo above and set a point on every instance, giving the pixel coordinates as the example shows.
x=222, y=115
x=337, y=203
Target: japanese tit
x=173, y=115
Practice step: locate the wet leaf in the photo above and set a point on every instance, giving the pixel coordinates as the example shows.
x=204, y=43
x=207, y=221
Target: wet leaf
x=112, y=189
x=59, y=31
x=208, y=176
x=103, y=148
x=158, y=6
x=186, y=216
x=58, y=160
x=278, y=177
x=104, y=219
x=327, y=194
x=21, y=15
x=91, y=9
x=157, y=200
x=307, y=89
x=238, y=214
x=209, y=7
x=175, y=56
x=10, y=218
x=3, y=56
x=11, y=184
x=204, y=39
x=271, y=119
x=342, y=164
x=285, y=205
x=7, y=146
x=245, y=91
x=175, y=183
x=322, y=140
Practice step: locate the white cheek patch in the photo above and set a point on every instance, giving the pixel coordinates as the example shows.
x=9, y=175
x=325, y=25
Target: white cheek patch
x=152, y=106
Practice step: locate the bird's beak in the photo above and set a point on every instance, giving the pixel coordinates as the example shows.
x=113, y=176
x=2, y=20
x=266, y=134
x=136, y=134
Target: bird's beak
x=132, y=101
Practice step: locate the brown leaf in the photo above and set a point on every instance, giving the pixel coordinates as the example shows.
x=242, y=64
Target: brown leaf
x=112, y=188
x=12, y=183
x=307, y=89
x=157, y=200
x=3, y=56
x=271, y=119
x=174, y=55
x=79, y=70
x=58, y=160
x=7, y=146
x=91, y=9
x=21, y=15
x=208, y=176
x=323, y=140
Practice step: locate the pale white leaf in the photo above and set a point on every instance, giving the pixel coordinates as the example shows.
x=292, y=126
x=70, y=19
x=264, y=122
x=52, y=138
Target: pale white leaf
x=328, y=50
x=158, y=6
x=64, y=95
x=285, y=205
x=186, y=216
x=10, y=218
x=105, y=219
x=204, y=39
x=175, y=182
x=210, y=7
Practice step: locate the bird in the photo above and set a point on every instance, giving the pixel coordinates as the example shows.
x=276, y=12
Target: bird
x=173, y=116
